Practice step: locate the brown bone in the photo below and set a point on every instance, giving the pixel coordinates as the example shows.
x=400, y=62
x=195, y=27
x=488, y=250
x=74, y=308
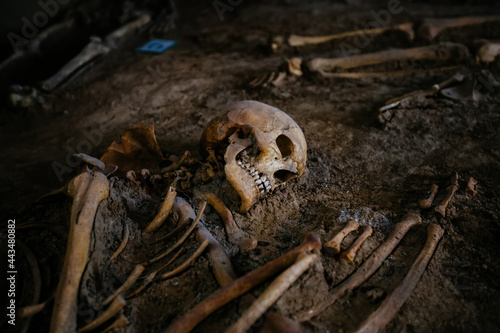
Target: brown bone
x=426, y=203
x=87, y=190
x=334, y=243
x=295, y=40
x=234, y=234
x=350, y=253
x=432, y=27
x=273, y=292
x=471, y=187
x=370, y=266
x=450, y=191
x=164, y=211
x=240, y=286
x=391, y=305
x=443, y=51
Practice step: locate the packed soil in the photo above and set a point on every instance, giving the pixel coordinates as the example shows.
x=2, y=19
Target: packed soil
x=357, y=168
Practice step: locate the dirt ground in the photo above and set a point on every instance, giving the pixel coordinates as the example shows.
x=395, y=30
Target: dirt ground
x=356, y=169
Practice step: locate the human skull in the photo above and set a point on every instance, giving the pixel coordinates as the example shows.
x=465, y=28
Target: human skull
x=262, y=148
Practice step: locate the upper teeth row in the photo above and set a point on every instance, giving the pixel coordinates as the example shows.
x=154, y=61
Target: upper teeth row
x=261, y=181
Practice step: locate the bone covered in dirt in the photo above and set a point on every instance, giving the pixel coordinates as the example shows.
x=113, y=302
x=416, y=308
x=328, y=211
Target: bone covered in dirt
x=391, y=305
x=262, y=146
x=87, y=190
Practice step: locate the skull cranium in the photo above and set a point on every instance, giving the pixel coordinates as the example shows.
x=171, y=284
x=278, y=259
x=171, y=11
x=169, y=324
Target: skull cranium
x=262, y=147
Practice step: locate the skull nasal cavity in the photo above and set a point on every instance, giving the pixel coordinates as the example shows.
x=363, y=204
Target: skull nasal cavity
x=285, y=145
x=284, y=175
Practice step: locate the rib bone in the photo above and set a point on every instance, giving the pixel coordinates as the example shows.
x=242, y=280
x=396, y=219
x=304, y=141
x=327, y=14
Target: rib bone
x=391, y=305
x=87, y=190
x=350, y=253
x=240, y=286
x=164, y=211
x=334, y=243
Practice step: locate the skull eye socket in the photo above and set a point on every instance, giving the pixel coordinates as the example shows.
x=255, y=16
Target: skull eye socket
x=285, y=145
x=284, y=175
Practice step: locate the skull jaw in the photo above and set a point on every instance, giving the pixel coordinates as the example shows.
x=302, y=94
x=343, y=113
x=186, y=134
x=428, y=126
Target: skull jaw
x=241, y=181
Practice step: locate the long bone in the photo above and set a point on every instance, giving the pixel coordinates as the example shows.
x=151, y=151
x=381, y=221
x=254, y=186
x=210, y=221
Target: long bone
x=87, y=190
x=234, y=233
x=391, y=305
x=450, y=191
x=442, y=51
x=295, y=40
x=370, y=266
x=165, y=209
x=432, y=27
x=240, y=286
x=273, y=292
x=334, y=244
x=91, y=51
x=350, y=253
x=223, y=269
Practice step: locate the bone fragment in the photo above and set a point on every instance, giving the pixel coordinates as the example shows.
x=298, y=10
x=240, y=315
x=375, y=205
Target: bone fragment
x=164, y=211
x=201, y=209
x=295, y=40
x=91, y=160
x=151, y=276
x=240, y=286
x=188, y=262
x=186, y=215
x=471, y=187
x=442, y=51
x=294, y=66
x=488, y=52
x=426, y=203
x=432, y=27
x=119, y=322
x=370, y=266
x=87, y=190
x=450, y=191
x=394, y=102
x=123, y=244
x=350, y=253
x=234, y=234
x=334, y=244
x=32, y=310
x=272, y=293
x=115, y=307
x=127, y=284
x=391, y=305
